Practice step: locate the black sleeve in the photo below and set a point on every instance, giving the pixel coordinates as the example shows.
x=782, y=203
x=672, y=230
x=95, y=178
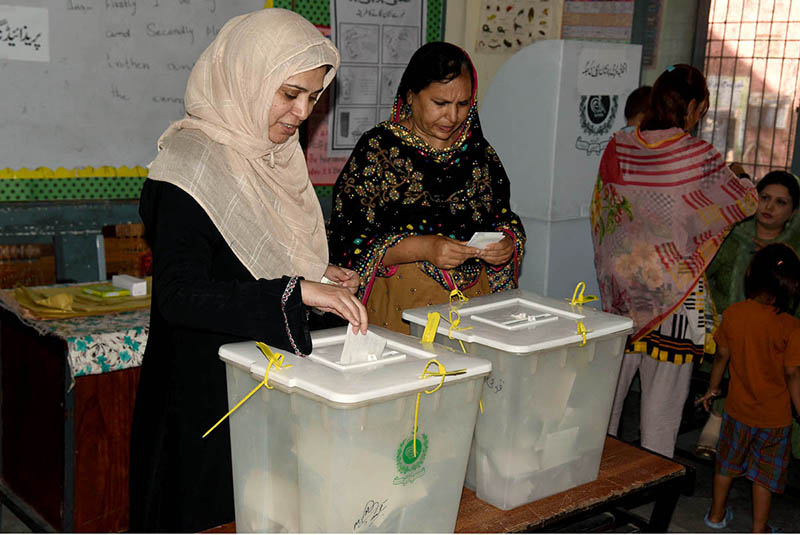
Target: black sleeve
x=190, y=289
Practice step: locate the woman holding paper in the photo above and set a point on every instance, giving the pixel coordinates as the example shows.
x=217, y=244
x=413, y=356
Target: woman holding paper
x=417, y=188
x=238, y=246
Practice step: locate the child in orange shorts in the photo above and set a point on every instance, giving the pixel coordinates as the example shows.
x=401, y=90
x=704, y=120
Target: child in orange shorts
x=760, y=340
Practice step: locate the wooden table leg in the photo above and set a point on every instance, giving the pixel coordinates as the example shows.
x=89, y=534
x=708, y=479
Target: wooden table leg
x=663, y=507
x=667, y=499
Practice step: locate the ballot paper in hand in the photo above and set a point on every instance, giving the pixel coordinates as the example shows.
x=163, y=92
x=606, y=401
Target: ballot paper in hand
x=480, y=240
x=361, y=347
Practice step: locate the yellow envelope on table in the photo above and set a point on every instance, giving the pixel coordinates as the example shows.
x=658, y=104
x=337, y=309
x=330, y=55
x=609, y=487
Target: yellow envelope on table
x=57, y=301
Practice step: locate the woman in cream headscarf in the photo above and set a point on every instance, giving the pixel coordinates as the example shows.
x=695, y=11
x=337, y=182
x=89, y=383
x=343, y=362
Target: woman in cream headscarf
x=239, y=249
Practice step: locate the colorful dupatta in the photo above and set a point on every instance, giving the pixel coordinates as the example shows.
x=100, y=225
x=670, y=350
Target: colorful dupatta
x=396, y=185
x=662, y=205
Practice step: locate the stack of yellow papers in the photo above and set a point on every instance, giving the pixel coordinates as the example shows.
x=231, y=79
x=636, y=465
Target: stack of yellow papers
x=74, y=301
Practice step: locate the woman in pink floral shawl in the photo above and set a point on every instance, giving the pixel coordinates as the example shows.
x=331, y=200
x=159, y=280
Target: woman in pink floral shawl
x=663, y=203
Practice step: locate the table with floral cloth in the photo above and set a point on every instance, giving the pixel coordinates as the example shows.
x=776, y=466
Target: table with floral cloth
x=99, y=344
x=95, y=344
x=69, y=386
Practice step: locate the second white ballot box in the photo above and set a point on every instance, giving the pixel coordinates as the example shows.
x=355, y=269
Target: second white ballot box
x=547, y=403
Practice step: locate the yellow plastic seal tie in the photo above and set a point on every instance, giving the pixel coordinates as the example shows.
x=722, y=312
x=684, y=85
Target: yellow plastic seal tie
x=460, y=296
x=582, y=331
x=274, y=359
x=431, y=327
x=480, y=404
x=442, y=372
x=454, y=319
x=577, y=296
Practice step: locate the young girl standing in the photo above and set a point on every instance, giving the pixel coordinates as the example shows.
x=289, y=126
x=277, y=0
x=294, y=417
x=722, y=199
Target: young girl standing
x=760, y=339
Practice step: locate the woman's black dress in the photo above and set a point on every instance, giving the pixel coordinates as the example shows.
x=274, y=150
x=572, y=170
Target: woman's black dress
x=203, y=297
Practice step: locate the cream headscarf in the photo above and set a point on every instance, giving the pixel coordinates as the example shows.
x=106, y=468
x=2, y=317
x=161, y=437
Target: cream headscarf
x=256, y=192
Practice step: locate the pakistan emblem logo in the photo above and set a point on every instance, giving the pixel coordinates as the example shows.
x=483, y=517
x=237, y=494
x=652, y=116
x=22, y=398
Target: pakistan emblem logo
x=409, y=466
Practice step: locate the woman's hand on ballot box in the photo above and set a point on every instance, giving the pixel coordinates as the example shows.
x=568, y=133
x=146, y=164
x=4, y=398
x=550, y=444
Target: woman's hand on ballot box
x=336, y=299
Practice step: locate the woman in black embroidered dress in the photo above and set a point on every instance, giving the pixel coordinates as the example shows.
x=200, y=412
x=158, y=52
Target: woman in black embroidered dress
x=414, y=191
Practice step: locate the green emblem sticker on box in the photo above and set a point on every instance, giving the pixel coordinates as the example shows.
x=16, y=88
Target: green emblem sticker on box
x=410, y=467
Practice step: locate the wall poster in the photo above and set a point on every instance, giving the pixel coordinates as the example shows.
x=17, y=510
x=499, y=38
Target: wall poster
x=508, y=26
x=598, y=20
x=376, y=39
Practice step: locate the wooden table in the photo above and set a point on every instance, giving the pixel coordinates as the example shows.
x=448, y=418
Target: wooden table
x=629, y=477
x=65, y=428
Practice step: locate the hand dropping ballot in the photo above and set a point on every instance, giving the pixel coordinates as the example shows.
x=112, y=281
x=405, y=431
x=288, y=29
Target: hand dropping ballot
x=480, y=240
x=361, y=347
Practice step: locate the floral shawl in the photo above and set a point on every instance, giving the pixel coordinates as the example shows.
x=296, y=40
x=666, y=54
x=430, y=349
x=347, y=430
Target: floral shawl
x=396, y=185
x=662, y=205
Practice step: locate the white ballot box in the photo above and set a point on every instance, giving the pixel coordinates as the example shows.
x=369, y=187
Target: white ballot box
x=547, y=402
x=330, y=447
x=550, y=111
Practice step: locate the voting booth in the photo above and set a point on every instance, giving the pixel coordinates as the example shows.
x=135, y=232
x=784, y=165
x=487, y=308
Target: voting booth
x=373, y=444
x=549, y=112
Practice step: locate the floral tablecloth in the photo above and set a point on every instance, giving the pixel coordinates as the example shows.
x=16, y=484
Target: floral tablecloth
x=95, y=344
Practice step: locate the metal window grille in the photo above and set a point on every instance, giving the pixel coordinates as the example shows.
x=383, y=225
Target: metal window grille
x=752, y=56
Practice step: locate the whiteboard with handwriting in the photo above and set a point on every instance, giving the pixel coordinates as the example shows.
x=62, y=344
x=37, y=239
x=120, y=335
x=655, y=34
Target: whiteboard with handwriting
x=95, y=82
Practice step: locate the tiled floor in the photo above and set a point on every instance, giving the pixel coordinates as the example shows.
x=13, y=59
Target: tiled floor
x=688, y=516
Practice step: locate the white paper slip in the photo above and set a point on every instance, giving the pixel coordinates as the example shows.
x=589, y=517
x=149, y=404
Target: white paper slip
x=482, y=239
x=361, y=347
x=326, y=280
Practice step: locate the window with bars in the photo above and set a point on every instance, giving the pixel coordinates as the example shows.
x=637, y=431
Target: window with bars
x=751, y=64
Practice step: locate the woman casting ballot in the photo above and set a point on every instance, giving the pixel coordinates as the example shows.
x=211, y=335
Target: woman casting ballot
x=239, y=248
